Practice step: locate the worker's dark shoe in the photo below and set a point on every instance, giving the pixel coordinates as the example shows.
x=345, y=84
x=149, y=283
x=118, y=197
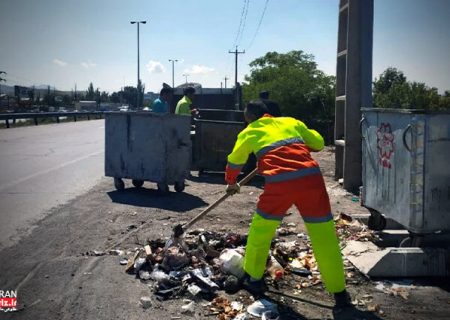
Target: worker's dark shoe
x=342, y=299
x=256, y=288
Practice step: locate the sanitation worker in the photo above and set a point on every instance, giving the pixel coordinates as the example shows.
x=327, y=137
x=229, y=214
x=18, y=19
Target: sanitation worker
x=282, y=146
x=184, y=105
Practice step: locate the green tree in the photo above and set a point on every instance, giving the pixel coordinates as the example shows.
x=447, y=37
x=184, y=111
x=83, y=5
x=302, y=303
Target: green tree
x=115, y=97
x=141, y=89
x=393, y=90
x=301, y=90
x=129, y=96
x=104, y=96
x=90, y=93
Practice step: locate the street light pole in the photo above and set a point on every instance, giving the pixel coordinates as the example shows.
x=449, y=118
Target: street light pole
x=173, y=71
x=138, y=77
x=186, y=76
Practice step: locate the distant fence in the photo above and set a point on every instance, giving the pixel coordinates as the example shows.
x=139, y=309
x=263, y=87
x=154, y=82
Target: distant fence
x=7, y=117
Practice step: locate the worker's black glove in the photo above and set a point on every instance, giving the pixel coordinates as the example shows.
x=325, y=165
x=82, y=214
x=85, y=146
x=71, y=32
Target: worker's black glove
x=178, y=230
x=233, y=189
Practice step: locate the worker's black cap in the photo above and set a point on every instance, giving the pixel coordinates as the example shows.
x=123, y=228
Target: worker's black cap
x=189, y=90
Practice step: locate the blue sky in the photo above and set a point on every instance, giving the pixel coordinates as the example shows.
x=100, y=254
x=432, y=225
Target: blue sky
x=78, y=41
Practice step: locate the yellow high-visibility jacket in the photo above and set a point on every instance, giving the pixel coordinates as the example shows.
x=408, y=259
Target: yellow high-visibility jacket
x=282, y=146
x=183, y=106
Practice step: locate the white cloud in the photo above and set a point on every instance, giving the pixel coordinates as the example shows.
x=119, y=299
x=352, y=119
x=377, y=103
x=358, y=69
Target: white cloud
x=89, y=64
x=198, y=69
x=155, y=67
x=59, y=62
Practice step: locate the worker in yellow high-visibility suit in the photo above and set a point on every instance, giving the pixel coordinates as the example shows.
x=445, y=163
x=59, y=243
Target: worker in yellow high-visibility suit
x=282, y=146
x=184, y=105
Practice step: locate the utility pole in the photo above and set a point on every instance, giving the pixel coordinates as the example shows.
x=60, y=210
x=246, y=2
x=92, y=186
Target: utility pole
x=186, y=76
x=173, y=71
x=138, y=78
x=236, y=53
x=226, y=78
x=1, y=79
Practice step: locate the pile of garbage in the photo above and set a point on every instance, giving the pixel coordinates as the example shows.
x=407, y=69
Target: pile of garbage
x=351, y=229
x=205, y=263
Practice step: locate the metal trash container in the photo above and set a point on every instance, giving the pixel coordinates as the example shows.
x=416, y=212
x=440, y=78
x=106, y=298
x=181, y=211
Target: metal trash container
x=221, y=115
x=406, y=169
x=145, y=146
x=213, y=141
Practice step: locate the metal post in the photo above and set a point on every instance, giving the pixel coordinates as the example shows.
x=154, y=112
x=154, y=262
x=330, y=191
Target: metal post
x=137, y=86
x=138, y=76
x=236, y=53
x=173, y=71
x=185, y=75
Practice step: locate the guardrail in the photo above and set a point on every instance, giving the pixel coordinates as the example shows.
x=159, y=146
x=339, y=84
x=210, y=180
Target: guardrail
x=35, y=116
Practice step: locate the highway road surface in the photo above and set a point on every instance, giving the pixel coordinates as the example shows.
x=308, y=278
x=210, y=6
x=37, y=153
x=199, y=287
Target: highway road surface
x=44, y=166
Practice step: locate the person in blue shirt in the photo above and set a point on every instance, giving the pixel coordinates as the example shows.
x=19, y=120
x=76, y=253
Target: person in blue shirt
x=161, y=105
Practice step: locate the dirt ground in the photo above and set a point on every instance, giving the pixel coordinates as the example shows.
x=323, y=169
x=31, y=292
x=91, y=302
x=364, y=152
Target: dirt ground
x=57, y=280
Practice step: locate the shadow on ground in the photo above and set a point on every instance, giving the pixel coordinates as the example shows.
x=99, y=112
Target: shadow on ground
x=347, y=313
x=151, y=198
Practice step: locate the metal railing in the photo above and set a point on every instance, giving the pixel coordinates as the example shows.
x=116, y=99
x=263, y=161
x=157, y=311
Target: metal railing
x=7, y=117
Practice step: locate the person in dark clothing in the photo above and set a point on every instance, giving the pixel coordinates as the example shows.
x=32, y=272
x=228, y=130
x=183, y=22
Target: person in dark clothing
x=274, y=109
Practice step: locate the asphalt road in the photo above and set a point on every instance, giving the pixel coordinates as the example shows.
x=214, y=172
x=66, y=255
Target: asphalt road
x=45, y=166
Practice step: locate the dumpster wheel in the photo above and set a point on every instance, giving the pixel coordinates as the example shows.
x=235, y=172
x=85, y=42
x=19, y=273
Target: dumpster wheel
x=179, y=186
x=414, y=240
x=119, y=184
x=163, y=188
x=377, y=221
x=137, y=183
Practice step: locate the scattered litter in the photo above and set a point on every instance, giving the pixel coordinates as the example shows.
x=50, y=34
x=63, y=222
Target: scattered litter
x=130, y=263
x=373, y=307
x=232, y=263
x=291, y=224
x=241, y=316
x=194, y=289
x=199, y=274
x=348, y=229
x=189, y=307
x=270, y=315
x=303, y=272
x=131, y=227
x=138, y=264
x=258, y=307
x=146, y=302
x=144, y=275
x=97, y=253
x=238, y=306
x=174, y=259
x=223, y=308
x=117, y=252
x=231, y=284
x=395, y=289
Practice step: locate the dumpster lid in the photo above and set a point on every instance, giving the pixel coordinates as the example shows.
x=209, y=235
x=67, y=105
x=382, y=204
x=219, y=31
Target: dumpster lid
x=408, y=111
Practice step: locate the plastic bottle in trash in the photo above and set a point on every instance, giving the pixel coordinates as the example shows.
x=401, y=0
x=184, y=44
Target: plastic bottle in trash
x=275, y=269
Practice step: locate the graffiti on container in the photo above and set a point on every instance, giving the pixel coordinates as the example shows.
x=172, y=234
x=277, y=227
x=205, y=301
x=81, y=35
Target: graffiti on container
x=385, y=144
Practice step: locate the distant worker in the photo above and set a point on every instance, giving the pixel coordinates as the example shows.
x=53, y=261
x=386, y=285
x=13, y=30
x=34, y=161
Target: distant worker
x=274, y=109
x=161, y=105
x=184, y=106
x=292, y=177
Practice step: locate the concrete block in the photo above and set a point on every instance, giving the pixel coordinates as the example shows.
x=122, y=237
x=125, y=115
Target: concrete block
x=397, y=262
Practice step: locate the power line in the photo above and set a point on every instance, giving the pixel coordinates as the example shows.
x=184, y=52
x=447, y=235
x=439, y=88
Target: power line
x=259, y=24
x=244, y=22
x=241, y=22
